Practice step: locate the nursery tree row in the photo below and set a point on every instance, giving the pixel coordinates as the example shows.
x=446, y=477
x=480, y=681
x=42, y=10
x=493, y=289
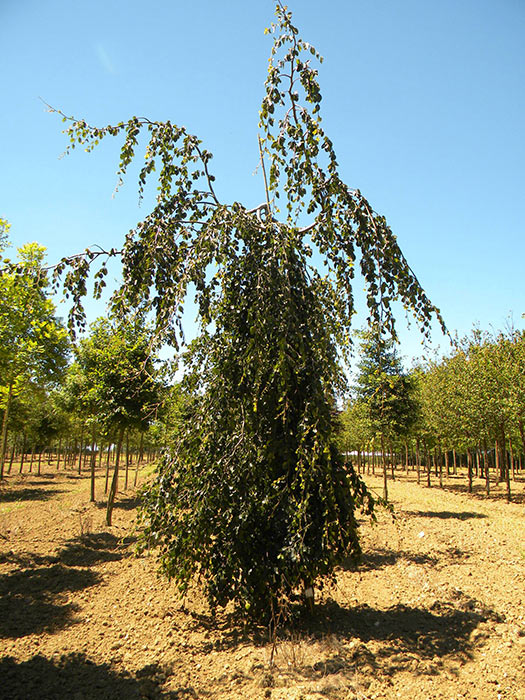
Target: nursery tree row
x=464, y=411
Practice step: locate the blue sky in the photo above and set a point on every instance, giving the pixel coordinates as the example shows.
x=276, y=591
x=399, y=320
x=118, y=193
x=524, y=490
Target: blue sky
x=425, y=104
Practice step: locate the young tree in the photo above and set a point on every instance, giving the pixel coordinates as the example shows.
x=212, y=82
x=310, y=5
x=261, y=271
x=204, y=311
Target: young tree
x=386, y=390
x=256, y=471
x=33, y=342
x=118, y=382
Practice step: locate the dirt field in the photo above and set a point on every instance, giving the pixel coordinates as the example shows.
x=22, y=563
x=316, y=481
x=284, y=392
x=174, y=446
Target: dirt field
x=435, y=610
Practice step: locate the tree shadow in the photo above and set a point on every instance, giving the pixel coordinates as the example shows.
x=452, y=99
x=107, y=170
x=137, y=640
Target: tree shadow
x=27, y=494
x=413, y=639
x=229, y=629
x=366, y=639
x=30, y=599
x=478, y=492
x=127, y=503
x=25, y=560
x=90, y=549
x=69, y=676
x=380, y=557
x=445, y=515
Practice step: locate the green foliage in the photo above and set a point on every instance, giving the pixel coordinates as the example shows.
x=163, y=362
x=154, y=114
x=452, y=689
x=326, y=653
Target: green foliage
x=114, y=377
x=475, y=396
x=254, y=497
x=33, y=342
x=4, y=234
x=191, y=233
x=384, y=388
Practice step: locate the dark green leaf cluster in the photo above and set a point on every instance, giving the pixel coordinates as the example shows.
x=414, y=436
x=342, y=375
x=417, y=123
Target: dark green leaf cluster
x=254, y=496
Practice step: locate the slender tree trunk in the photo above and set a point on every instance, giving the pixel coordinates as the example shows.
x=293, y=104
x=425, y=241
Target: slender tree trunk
x=107, y=468
x=469, y=470
x=486, y=461
x=141, y=447
x=512, y=458
x=455, y=467
x=114, y=482
x=81, y=450
x=418, y=462
x=497, y=459
x=12, y=458
x=136, y=472
x=22, y=456
x=440, y=460
x=3, y=446
x=385, y=485
x=505, y=463
x=522, y=434
x=59, y=453
x=427, y=458
x=93, y=459
x=392, y=462
x=127, y=461
x=32, y=459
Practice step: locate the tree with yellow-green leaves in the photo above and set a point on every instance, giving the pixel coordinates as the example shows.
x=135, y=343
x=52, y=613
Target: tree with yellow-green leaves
x=34, y=346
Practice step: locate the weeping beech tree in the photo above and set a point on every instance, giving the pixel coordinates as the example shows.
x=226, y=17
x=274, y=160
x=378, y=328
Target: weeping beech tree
x=253, y=495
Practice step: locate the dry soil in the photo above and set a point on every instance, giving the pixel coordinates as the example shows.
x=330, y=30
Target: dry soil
x=435, y=609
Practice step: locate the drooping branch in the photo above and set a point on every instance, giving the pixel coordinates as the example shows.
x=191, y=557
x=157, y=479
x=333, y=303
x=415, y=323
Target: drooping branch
x=190, y=231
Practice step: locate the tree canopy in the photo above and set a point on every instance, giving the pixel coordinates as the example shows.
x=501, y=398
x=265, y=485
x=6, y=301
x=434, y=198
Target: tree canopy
x=34, y=346
x=254, y=496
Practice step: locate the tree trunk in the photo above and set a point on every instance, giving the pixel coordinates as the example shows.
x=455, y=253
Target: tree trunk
x=32, y=459
x=59, y=453
x=114, y=482
x=127, y=461
x=22, y=456
x=5, y=420
x=512, y=458
x=12, y=458
x=141, y=447
x=505, y=463
x=107, y=468
x=81, y=450
x=418, y=462
x=497, y=459
x=469, y=470
x=141, y=456
x=486, y=461
x=522, y=434
x=385, y=485
x=93, y=458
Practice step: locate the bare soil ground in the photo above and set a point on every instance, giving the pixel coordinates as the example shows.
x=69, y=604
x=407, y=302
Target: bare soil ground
x=435, y=609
